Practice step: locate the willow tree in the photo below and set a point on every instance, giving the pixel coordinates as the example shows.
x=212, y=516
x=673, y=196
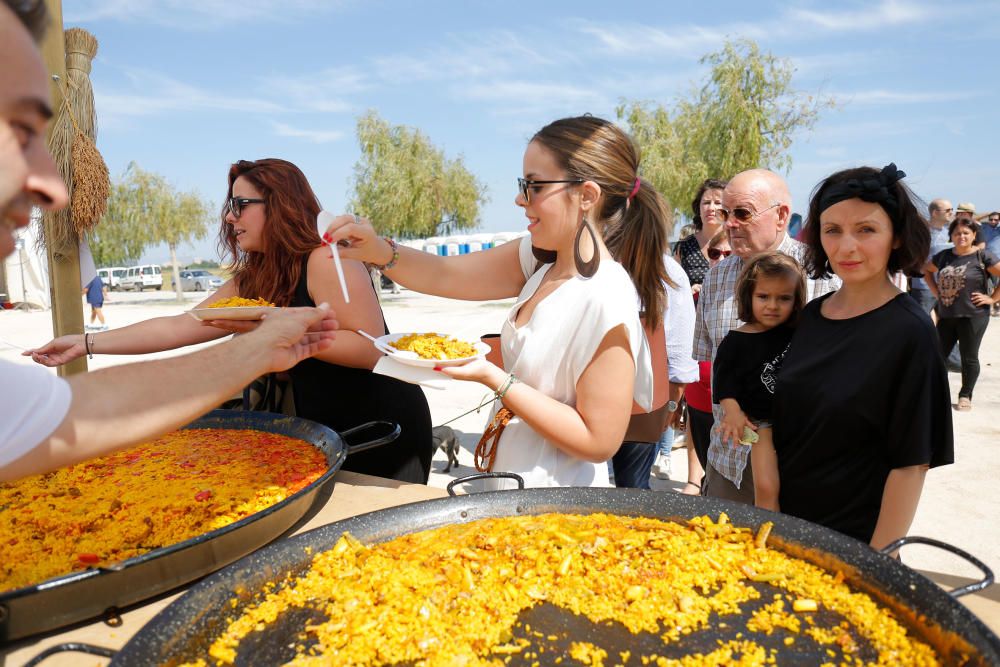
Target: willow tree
x=745, y=115
x=408, y=186
x=144, y=210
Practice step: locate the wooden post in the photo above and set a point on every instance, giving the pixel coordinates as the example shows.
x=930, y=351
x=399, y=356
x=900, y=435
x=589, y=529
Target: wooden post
x=64, y=263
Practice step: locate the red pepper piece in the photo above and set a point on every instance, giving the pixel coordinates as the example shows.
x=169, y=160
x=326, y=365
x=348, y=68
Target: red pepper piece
x=203, y=495
x=88, y=559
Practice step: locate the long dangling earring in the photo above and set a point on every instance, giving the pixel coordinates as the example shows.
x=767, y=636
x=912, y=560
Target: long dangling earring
x=589, y=268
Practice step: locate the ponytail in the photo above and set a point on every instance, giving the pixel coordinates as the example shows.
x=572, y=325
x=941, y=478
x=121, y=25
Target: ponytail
x=637, y=237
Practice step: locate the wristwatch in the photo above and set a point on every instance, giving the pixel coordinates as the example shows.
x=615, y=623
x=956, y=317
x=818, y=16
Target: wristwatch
x=672, y=406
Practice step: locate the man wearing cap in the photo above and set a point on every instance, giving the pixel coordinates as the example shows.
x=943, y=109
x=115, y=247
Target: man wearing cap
x=940, y=214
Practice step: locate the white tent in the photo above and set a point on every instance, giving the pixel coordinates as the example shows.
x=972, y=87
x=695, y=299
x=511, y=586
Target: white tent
x=26, y=270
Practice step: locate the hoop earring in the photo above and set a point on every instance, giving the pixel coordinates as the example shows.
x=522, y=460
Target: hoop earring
x=589, y=268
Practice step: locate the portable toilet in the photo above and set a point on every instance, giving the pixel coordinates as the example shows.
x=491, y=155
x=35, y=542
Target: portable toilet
x=432, y=245
x=451, y=246
x=503, y=237
x=481, y=242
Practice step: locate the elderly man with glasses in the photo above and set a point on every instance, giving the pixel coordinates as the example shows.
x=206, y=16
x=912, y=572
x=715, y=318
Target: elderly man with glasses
x=940, y=214
x=756, y=208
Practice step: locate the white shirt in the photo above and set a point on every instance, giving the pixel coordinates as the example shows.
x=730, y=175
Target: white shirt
x=551, y=351
x=35, y=403
x=680, y=325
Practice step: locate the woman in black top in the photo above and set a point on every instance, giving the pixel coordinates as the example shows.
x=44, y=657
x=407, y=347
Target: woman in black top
x=861, y=407
x=692, y=252
x=959, y=279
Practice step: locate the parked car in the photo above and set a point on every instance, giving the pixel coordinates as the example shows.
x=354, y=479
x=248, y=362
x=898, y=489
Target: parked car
x=112, y=276
x=196, y=280
x=141, y=277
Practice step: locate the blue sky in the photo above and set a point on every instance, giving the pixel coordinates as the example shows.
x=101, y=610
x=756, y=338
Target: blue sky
x=185, y=88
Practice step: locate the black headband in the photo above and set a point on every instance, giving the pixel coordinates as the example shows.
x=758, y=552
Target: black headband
x=871, y=188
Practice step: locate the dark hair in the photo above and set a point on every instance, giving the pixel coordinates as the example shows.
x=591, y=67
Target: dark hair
x=772, y=264
x=968, y=222
x=635, y=228
x=720, y=236
x=33, y=14
x=909, y=227
x=707, y=184
x=289, y=233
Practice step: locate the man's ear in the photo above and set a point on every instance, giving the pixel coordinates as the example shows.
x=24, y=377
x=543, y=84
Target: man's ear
x=784, y=215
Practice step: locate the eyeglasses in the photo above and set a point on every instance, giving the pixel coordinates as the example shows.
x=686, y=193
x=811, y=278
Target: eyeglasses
x=524, y=185
x=235, y=205
x=715, y=253
x=744, y=216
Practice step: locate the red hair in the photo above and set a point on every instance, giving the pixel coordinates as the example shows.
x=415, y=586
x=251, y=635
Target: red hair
x=289, y=233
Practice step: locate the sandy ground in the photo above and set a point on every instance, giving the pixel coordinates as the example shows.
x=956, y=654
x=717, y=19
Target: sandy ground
x=960, y=502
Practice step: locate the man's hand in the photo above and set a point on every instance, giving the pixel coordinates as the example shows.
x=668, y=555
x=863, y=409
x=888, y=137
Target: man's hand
x=294, y=334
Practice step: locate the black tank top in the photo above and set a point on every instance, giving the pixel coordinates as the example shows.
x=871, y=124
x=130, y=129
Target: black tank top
x=342, y=397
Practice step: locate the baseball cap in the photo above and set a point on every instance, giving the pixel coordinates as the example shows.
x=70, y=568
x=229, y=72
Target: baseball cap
x=969, y=207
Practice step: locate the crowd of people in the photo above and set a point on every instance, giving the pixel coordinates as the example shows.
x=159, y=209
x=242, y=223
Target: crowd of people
x=814, y=384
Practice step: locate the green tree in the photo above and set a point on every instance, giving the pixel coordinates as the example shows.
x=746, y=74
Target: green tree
x=407, y=185
x=745, y=115
x=144, y=209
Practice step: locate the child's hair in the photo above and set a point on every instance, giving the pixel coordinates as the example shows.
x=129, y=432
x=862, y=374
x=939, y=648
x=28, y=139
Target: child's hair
x=769, y=265
x=720, y=236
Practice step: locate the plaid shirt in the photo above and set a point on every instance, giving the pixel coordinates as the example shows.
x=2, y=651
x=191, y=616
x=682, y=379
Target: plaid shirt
x=716, y=316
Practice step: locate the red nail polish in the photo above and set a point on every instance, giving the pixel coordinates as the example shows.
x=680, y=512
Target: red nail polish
x=327, y=237
x=437, y=368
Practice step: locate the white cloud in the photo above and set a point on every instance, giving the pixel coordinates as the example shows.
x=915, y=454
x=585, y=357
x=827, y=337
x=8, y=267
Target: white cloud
x=322, y=91
x=870, y=17
x=886, y=97
x=629, y=39
x=313, y=136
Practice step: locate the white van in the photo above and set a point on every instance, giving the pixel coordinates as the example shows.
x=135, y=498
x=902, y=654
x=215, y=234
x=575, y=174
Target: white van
x=141, y=277
x=112, y=276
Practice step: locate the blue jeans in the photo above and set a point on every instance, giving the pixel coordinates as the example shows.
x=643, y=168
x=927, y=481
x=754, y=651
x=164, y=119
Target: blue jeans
x=666, y=443
x=633, y=463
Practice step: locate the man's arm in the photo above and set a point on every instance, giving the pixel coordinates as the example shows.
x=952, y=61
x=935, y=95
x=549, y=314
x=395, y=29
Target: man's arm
x=123, y=405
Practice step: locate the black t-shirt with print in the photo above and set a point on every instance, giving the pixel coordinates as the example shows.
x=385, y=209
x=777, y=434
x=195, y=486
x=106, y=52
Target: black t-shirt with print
x=746, y=369
x=958, y=277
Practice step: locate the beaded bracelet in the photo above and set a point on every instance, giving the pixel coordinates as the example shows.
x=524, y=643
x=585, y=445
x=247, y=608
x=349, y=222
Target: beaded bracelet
x=86, y=345
x=505, y=387
x=395, y=256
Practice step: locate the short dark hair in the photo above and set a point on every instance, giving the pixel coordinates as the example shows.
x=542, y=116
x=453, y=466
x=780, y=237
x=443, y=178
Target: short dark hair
x=909, y=227
x=772, y=264
x=963, y=222
x=707, y=184
x=33, y=14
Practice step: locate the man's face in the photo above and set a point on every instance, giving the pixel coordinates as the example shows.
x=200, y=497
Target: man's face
x=27, y=173
x=764, y=228
x=963, y=215
x=942, y=214
x=994, y=220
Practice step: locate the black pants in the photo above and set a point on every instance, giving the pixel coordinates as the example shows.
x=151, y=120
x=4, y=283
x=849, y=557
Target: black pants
x=700, y=432
x=968, y=332
x=632, y=464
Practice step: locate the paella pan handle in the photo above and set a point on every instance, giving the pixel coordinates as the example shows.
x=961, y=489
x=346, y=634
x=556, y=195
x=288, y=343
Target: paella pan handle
x=79, y=647
x=378, y=442
x=484, y=475
x=974, y=587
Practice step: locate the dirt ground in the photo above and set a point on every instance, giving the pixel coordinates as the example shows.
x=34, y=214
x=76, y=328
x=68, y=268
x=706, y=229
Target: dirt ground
x=960, y=502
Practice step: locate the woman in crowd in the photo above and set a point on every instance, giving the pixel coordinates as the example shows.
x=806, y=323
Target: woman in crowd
x=861, y=407
x=269, y=233
x=564, y=405
x=959, y=278
x=698, y=395
x=692, y=252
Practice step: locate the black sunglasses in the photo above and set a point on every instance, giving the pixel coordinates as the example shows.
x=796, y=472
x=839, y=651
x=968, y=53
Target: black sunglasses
x=525, y=185
x=715, y=253
x=235, y=205
x=742, y=215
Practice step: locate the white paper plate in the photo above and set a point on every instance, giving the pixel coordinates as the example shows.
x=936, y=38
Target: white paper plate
x=383, y=344
x=232, y=313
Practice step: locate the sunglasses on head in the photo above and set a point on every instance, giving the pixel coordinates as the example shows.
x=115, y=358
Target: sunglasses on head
x=525, y=185
x=715, y=253
x=235, y=205
x=743, y=215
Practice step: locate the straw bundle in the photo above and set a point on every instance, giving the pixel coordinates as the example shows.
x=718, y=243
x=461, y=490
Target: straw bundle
x=72, y=145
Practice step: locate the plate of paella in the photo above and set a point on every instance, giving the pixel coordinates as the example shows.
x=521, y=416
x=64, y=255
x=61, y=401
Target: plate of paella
x=428, y=350
x=234, y=308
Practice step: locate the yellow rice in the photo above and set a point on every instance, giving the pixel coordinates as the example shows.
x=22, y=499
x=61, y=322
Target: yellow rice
x=155, y=494
x=435, y=346
x=453, y=595
x=240, y=302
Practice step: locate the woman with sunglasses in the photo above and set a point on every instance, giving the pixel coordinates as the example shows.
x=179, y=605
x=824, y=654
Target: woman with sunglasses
x=861, y=407
x=573, y=346
x=268, y=234
x=693, y=252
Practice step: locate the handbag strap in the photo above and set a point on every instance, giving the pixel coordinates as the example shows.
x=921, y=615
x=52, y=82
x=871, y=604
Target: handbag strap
x=486, y=448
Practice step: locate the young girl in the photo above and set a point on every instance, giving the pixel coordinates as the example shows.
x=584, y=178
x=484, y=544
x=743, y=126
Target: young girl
x=770, y=294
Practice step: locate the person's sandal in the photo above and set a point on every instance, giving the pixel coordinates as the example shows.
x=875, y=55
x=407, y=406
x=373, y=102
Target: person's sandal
x=687, y=490
x=964, y=404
